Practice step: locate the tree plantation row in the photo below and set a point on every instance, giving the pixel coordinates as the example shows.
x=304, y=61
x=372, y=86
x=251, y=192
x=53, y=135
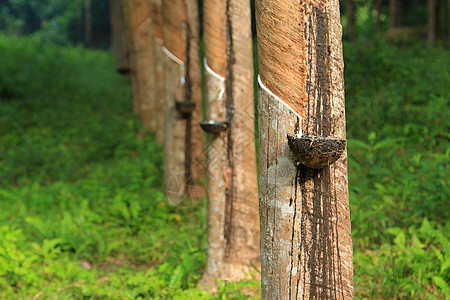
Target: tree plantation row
x=297, y=231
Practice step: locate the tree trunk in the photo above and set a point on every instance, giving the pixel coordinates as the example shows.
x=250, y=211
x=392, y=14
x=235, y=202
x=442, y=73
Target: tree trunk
x=306, y=247
x=158, y=44
x=132, y=56
x=394, y=7
x=233, y=224
x=196, y=158
x=87, y=23
x=184, y=161
x=119, y=38
x=379, y=12
x=432, y=22
x=350, y=5
x=142, y=61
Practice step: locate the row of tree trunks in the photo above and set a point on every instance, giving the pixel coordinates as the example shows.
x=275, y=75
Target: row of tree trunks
x=119, y=37
x=306, y=248
x=233, y=221
x=306, y=245
x=184, y=161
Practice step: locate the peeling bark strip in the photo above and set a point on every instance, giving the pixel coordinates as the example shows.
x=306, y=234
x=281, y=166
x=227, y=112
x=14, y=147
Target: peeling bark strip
x=183, y=143
x=119, y=37
x=142, y=60
x=306, y=248
x=233, y=221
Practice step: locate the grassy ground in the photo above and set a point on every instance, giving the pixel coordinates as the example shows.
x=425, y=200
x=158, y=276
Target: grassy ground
x=82, y=212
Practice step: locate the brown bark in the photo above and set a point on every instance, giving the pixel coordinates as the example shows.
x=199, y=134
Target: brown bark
x=132, y=56
x=142, y=61
x=394, y=7
x=432, y=22
x=233, y=223
x=158, y=44
x=306, y=247
x=183, y=144
x=194, y=93
x=119, y=38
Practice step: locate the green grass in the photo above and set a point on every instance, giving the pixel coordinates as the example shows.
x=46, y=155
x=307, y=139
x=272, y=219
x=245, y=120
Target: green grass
x=81, y=205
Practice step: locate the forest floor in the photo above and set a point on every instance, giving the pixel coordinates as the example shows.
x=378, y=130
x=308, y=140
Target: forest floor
x=82, y=209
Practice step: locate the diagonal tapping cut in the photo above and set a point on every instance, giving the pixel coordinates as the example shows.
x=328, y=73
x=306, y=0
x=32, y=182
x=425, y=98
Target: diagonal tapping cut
x=178, y=61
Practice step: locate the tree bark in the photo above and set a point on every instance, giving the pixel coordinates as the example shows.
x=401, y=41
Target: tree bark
x=158, y=44
x=394, y=7
x=142, y=61
x=184, y=161
x=119, y=38
x=197, y=158
x=306, y=247
x=233, y=223
x=432, y=22
x=132, y=56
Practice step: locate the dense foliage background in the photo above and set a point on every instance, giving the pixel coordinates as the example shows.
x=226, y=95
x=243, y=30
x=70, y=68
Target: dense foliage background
x=82, y=210
x=57, y=21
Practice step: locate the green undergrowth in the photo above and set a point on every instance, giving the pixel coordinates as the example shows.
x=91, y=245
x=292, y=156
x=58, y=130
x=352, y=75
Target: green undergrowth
x=399, y=147
x=81, y=205
x=82, y=210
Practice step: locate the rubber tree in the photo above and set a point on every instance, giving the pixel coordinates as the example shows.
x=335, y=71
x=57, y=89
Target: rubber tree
x=119, y=37
x=394, y=13
x=233, y=221
x=140, y=38
x=433, y=12
x=184, y=160
x=306, y=246
x=157, y=46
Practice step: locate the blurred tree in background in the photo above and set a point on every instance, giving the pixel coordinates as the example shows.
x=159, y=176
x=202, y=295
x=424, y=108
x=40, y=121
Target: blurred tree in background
x=362, y=19
x=58, y=21
x=87, y=21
